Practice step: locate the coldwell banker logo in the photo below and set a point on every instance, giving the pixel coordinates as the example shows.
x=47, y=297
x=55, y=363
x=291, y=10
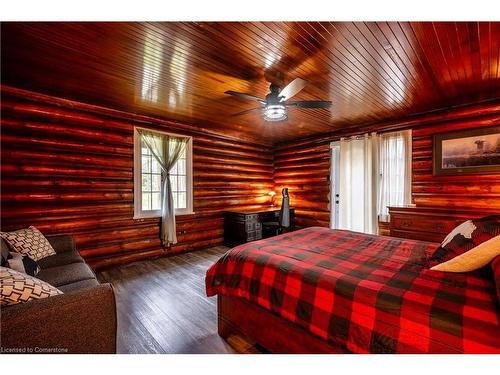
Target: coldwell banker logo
x=30, y=350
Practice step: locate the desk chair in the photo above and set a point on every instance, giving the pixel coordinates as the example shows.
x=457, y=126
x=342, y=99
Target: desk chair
x=283, y=223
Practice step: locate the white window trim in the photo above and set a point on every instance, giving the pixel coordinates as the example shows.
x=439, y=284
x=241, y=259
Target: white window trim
x=138, y=212
x=408, y=181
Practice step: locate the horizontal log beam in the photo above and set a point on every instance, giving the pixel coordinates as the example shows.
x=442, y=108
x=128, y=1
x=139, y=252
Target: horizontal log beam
x=66, y=132
x=63, y=183
x=102, y=162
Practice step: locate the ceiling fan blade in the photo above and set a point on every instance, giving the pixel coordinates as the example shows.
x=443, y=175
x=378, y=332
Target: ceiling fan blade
x=247, y=111
x=245, y=96
x=310, y=104
x=292, y=88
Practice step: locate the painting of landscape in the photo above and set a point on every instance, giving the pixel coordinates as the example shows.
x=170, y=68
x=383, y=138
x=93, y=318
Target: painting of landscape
x=467, y=152
x=471, y=151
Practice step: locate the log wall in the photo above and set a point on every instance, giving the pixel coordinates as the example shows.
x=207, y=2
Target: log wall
x=479, y=191
x=303, y=166
x=304, y=170
x=67, y=168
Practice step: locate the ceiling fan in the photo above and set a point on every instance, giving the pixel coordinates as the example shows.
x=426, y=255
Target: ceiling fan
x=275, y=104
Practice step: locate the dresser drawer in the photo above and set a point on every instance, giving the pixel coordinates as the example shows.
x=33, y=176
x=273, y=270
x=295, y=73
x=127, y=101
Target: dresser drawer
x=254, y=235
x=430, y=223
x=253, y=226
x=422, y=224
x=422, y=236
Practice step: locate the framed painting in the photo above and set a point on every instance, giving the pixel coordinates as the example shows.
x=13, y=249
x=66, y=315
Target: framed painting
x=469, y=151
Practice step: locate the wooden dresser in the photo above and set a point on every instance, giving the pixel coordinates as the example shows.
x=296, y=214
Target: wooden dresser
x=430, y=223
x=241, y=226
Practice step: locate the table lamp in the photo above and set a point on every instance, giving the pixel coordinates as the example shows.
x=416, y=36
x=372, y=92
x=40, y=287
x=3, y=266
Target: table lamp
x=272, y=194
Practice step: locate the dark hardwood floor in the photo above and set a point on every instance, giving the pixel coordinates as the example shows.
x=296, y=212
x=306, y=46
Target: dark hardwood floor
x=162, y=306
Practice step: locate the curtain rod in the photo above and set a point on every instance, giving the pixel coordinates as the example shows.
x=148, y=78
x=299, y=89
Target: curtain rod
x=354, y=137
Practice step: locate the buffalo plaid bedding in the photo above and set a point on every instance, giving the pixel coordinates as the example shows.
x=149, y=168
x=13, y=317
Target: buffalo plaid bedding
x=366, y=293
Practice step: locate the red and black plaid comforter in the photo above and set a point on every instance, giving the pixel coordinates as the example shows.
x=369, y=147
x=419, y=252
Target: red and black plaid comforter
x=369, y=294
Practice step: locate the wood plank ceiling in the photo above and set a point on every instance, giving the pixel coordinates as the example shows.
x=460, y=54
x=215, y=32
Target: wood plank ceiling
x=371, y=71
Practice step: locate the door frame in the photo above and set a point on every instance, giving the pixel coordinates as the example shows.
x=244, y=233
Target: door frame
x=334, y=184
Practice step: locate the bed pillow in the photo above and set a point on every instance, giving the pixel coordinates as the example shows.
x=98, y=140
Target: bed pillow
x=465, y=237
x=22, y=263
x=30, y=242
x=473, y=259
x=17, y=287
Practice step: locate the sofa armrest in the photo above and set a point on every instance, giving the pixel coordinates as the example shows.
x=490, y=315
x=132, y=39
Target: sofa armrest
x=62, y=243
x=77, y=322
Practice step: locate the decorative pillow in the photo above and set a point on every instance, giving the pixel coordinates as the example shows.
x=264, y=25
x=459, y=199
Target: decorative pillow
x=17, y=287
x=22, y=263
x=473, y=259
x=30, y=242
x=466, y=236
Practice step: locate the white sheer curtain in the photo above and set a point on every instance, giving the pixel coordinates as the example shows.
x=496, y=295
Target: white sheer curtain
x=358, y=183
x=395, y=171
x=166, y=150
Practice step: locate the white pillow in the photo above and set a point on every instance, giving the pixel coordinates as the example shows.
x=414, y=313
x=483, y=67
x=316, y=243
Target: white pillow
x=473, y=259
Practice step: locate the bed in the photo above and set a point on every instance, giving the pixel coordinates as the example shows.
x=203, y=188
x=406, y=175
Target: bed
x=319, y=290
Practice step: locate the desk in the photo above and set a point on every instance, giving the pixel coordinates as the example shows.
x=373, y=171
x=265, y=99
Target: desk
x=241, y=226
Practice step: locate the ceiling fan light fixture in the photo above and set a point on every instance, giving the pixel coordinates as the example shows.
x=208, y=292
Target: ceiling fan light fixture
x=276, y=102
x=275, y=112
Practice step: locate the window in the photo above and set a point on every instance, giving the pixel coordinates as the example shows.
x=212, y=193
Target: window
x=395, y=171
x=148, y=180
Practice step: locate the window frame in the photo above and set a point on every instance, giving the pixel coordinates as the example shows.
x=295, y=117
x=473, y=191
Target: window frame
x=139, y=213
x=407, y=181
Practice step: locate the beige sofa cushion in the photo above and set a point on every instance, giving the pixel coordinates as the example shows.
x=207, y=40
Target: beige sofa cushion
x=473, y=259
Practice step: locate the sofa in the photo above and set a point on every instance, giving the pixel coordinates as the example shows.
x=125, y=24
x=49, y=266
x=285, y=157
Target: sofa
x=81, y=320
